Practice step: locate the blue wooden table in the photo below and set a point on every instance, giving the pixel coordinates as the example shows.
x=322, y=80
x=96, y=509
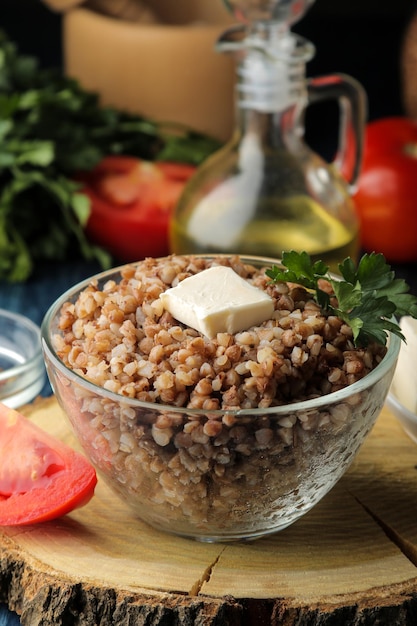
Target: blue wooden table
x=7, y=618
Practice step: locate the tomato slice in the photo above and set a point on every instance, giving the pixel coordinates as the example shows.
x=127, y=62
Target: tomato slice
x=132, y=202
x=41, y=478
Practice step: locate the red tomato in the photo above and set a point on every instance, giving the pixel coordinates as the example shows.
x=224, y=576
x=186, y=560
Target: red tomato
x=386, y=198
x=132, y=202
x=41, y=478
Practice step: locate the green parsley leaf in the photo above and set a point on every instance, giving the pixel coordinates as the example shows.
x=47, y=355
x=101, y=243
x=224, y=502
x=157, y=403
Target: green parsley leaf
x=369, y=297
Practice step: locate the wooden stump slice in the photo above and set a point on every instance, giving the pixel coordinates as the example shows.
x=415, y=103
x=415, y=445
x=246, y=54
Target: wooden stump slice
x=350, y=561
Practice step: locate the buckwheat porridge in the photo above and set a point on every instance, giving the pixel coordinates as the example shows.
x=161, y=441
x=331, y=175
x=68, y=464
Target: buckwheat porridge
x=193, y=454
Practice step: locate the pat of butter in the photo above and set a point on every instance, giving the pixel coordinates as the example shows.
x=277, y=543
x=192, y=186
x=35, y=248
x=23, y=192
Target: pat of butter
x=217, y=300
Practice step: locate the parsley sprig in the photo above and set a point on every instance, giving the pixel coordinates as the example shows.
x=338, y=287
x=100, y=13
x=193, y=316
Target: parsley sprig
x=367, y=297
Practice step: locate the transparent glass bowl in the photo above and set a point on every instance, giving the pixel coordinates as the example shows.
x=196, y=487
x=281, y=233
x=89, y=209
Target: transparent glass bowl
x=217, y=475
x=22, y=368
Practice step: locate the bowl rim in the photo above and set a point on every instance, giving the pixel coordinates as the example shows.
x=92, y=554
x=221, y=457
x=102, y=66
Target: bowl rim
x=36, y=359
x=394, y=343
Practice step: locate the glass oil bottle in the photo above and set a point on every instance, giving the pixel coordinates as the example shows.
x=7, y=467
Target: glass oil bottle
x=266, y=190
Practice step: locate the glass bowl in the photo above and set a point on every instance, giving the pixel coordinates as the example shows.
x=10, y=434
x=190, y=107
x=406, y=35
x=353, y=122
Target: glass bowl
x=22, y=368
x=216, y=475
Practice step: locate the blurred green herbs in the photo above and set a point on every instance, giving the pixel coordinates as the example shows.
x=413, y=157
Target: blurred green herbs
x=51, y=128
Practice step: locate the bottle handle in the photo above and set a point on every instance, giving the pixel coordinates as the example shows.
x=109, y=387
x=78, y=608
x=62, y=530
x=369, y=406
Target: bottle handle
x=352, y=101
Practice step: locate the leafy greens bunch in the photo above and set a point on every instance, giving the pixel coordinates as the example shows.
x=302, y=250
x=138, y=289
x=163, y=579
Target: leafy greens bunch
x=50, y=129
x=367, y=297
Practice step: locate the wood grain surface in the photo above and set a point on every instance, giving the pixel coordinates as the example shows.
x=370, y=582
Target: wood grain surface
x=350, y=561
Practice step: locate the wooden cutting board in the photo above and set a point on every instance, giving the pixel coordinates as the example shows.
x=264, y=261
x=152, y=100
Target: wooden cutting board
x=350, y=561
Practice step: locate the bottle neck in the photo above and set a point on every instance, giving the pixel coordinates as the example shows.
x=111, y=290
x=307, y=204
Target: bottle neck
x=271, y=88
x=274, y=130
x=271, y=74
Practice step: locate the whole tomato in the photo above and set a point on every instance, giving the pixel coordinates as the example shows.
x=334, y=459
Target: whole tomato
x=386, y=197
x=132, y=202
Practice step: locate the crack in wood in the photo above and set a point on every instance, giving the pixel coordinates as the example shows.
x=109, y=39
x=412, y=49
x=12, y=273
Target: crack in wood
x=196, y=588
x=406, y=547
